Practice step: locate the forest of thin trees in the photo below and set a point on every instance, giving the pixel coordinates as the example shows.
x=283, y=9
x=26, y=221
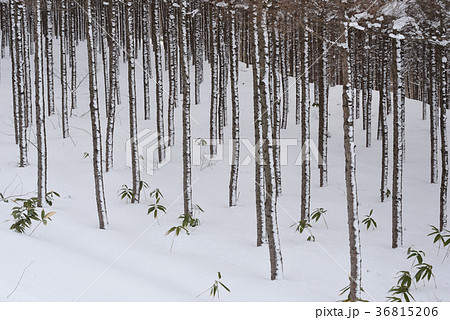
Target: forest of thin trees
x=398, y=48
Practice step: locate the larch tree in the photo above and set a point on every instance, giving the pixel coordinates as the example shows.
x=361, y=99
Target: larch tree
x=273, y=239
x=234, y=72
x=258, y=130
x=95, y=122
x=184, y=55
x=40, y=110
x=135, y=169
x=350, y=174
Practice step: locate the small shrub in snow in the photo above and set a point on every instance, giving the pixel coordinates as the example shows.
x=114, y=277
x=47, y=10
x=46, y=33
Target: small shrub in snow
x=29, y=210
x=156, y=208
x=302, y=226
x=369, y=221
x=423, y=271
x=128, y=194
x=319, y=213
x=186, y=222
x=214, y=289
x=442, y=238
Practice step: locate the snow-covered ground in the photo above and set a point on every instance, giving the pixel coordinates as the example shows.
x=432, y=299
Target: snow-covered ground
x=132, y=260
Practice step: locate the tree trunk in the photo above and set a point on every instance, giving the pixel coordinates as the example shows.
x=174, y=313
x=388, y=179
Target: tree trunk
x=444, y=143
x=132, y=101
x=276, y=261
x=95, y=121
x=40, y=111
x=234, y=72
x=350, y=179
x=187, y=183
x=261, y=236
x=397, y=228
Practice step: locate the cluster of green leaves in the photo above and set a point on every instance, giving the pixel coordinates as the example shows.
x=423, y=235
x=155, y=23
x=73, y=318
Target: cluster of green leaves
x=156, y=207
x=201, y=142
x=319, y=213
x=303, y=226
x=369, y=221
x=28, y=210
x=347, y=289
x=423, y=271
x=442, y=238
x=127, y=193
x=214, y=289
x=187, y=221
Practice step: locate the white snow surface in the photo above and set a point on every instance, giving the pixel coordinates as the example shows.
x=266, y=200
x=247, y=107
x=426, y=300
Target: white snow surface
x=131, y=260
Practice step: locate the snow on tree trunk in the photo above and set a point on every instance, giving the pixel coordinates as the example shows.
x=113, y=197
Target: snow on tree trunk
x=305, y=125
x=146, y=56
x=398, y=157
x=63, y=68
x=173, y=66
x=214, y=82
x=276, y=262
x=40, y=111
x=19, y=58
x=187, y=183
x=350, y=178
x=113, y=65
x=275, y=68
x=383, y=123
x=444, y=143
x=49, y=57
x=14, y=68
x=257, y=120
x=73, y=54
x=323, y=110
x=197, y=17
x=132, y=101
x=284, y=80
x=433, y=117
x=234, y=72
x=159, y=82
x=95, y=121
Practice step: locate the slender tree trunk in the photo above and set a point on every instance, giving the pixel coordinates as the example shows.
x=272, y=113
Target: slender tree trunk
x=384, y=126
x=19, y=58
x=73, y=54
x=187, y=183
x=444, y=143
x=159, y=82
x=146, y=56
x=398, y=157
x=433, y=117
x=350, y=179
x=276, y=261
x=95, y=121
x=40, y=111
x=234, y=72
x=132, y=101
x=261, y=236
x=63, y=67
x=276, y=101
x=49, y=57
x=306, y=150
x=173, y=66
x=214, y=82
x=323, y=111
x=113, y=65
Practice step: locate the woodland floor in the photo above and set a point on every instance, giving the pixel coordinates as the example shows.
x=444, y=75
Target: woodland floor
x=71, y=254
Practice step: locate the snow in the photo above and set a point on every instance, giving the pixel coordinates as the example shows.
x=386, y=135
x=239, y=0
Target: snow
x=132, y=260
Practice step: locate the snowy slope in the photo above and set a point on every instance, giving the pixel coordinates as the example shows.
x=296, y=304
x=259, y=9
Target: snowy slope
x=132, y=260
